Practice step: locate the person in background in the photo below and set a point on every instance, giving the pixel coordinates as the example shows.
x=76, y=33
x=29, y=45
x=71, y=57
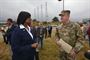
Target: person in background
x=23, y=42
x=49, y=31
x=34, y=31
x=3, y=34
x=9, y=31
x=85, y=31
x=40, y=35
x=88, y=33
x=81, y=27
x=45, y=31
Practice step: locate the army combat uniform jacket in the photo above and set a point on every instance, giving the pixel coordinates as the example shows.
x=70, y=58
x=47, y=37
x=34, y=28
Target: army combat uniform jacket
x=71, y=34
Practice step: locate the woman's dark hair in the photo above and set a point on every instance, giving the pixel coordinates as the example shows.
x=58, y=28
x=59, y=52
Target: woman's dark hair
x=22, y=17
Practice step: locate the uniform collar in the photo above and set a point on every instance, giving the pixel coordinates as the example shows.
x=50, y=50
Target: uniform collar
x=22, y=27
x=28, y=30
x=66, y=23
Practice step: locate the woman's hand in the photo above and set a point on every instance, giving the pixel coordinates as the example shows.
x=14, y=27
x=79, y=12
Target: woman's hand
x=34, y=45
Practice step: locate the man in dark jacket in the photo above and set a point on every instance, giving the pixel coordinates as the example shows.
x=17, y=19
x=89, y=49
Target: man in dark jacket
x=49, y=31
x=40, y=35
x=9, y=31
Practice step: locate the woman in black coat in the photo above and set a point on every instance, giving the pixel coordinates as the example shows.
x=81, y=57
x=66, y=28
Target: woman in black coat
x=23, y=41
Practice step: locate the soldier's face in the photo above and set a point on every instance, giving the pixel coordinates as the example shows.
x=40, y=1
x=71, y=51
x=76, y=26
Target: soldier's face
x=64, y=18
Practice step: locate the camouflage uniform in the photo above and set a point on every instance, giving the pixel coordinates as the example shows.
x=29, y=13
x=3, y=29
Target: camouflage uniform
x=70, y=33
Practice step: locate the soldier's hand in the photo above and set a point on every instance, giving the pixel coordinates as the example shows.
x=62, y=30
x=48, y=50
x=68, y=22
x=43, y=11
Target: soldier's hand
x=72, y=53
x=57, y=42
x=34, y=45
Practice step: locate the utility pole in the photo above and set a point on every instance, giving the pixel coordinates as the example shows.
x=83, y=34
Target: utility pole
x=38, y=13
x=41, y=12
x=63, y=3
x=35, y=13
x=46, y=12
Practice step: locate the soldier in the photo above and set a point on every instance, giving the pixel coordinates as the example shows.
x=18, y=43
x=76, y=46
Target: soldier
x=70, y=33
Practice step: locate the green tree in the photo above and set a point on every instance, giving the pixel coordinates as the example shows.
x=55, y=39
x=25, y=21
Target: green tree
x=55, y=19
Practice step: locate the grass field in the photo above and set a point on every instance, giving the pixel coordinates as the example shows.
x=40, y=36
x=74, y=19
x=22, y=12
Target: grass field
x=50, y=50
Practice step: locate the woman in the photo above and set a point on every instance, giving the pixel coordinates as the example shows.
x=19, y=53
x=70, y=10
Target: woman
x=23, y=41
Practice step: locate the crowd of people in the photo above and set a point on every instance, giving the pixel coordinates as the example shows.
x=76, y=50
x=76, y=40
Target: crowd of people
x=26, y=40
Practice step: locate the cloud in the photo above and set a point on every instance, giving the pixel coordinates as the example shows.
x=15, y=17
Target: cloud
x=11, y=8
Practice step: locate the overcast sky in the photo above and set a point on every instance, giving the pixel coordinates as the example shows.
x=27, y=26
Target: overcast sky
x=11, y=8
